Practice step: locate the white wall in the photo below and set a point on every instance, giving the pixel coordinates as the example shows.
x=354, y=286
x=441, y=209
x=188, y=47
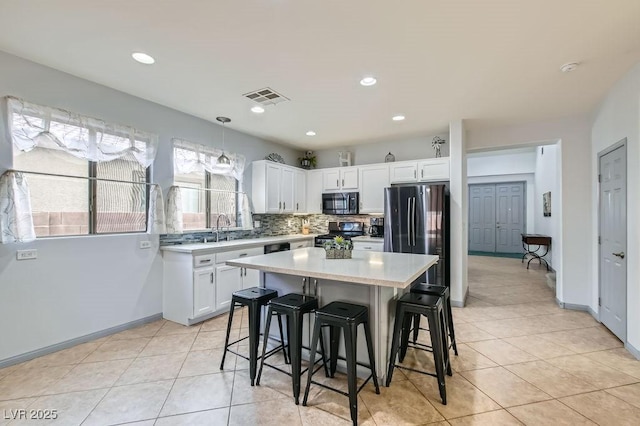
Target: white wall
x=83, y=285
x=513, y=165
x=618, y=117
x=574, y=206
x=403, y=149
x=547, y=180
x=459, y=212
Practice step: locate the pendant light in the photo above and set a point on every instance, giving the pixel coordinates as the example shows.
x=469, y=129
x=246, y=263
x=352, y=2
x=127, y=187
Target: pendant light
x=223, y=160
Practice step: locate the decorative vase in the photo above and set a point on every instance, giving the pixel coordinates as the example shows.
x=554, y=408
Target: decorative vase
x=346, y=253
x=389, y=158
x=331, y=253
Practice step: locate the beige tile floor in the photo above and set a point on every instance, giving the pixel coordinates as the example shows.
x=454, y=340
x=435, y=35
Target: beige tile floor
x=522, y=360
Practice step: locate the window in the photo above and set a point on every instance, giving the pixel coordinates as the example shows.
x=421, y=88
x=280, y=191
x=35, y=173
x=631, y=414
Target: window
x=210, y=196
x=85, y=176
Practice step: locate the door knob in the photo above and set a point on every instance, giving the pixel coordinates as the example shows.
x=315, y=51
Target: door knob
x=620, y=255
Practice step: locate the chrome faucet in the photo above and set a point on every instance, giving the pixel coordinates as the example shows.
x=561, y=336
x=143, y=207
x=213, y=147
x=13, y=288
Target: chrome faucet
x=217, y=228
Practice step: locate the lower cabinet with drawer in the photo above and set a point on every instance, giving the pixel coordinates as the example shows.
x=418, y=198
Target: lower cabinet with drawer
x=369, y=245
x=198, y=287
x=231, y=278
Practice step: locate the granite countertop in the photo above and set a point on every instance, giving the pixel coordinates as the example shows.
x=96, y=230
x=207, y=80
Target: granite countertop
x=396, y=270
x=368, y=239
x=197, y=248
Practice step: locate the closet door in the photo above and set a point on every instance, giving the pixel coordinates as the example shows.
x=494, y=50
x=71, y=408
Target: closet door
x=509, y=217
x=482, y=217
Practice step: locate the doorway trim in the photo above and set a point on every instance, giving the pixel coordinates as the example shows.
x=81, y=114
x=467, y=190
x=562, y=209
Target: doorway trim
x=621, y=143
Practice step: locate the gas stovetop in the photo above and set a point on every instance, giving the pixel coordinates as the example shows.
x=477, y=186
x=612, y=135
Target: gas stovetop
x=347, y=230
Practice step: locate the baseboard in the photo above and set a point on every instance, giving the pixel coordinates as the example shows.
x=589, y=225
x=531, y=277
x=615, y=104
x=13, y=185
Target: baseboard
x=635, y=352
x=73, y=342
x=575, y=307
x=458, y=303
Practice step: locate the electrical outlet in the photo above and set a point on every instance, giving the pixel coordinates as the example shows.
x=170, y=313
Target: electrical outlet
x=27, y=254
x=256, y=224
x=289, y=223
x=145, y=244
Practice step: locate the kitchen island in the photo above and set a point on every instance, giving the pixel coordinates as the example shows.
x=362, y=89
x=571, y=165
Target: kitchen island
x=374, y=279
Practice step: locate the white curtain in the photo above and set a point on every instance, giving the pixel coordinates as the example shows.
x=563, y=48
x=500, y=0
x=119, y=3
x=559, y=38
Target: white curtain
x=155, y=220
x=174, y=211
x=32, y=126
x=16, y=221
x=192, y=157
x=245, y=221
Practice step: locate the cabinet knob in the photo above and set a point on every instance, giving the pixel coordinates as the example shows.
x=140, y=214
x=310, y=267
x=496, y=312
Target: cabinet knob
x=342, y=182
x=337, y=183
x=211, y=277
x=414, y=173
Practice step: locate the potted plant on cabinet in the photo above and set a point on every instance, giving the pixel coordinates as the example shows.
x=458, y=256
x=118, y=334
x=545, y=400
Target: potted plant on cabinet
x=308, y=161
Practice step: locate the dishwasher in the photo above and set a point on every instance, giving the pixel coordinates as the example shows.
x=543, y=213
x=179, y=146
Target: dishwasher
x=272, y=248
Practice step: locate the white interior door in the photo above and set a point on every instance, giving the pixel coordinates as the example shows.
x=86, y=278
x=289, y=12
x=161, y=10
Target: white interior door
x=613, y=240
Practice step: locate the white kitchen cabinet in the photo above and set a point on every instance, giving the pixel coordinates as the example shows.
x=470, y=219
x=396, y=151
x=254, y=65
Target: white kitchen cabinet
x=373, y=179
x=314, y=191
x=189, y=287
x=229, y=280
x=273, y=187
x=433, y=169
x=204, y=291
x=340, y=179
x=302, y=244
x=300, y=185
x=403, y=171
x=369, y=245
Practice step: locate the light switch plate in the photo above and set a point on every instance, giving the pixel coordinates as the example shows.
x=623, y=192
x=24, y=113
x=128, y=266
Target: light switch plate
x=145, y=244
x=256, y=224
x=27, y=254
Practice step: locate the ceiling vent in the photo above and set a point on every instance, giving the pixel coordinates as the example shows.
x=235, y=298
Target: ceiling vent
x=266, y=96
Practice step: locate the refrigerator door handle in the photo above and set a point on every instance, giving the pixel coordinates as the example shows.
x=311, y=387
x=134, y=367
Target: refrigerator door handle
x=408, y=221
x=413, y=221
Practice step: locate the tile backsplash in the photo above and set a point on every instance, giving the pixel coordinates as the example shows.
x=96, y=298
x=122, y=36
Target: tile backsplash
x=270, y=225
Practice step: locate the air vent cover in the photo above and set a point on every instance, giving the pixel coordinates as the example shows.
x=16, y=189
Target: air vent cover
x=266, y=96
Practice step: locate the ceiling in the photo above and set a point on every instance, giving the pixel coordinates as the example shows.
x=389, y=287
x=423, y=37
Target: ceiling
x=493, y=62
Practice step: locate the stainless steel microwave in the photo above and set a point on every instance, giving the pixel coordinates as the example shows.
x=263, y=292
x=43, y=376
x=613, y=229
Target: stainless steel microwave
x=340, y=202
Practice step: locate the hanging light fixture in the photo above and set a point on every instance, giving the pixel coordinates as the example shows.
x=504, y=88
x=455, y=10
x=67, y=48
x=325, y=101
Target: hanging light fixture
x=223, y=160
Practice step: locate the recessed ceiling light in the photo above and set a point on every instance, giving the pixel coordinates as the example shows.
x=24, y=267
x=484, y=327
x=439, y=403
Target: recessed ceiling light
x=257, y=109
x=398, y=117
x=368, y=81
x=143, y=58
x=569, y=67
x=311, y=133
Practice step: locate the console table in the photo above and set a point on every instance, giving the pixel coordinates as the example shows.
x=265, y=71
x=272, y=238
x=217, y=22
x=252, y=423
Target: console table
x=539, y=241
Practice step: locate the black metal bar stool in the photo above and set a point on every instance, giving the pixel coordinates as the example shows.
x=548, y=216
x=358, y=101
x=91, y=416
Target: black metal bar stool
x=346, y=317
x=254, y=298
x=431, y=307
x=294, y=306
x=442, y=291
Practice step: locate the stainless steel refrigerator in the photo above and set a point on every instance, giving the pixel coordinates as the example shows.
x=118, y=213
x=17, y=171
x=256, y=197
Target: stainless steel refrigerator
x=417, y=221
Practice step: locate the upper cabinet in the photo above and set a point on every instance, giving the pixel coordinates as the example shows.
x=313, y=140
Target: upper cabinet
x=273, y=187
x=373, y=179
x=300, y=191
x=314, y=191
x=432, y=169
x=340, y=179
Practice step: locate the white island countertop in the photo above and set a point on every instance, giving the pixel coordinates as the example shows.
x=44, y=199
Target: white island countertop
x=396, y=270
